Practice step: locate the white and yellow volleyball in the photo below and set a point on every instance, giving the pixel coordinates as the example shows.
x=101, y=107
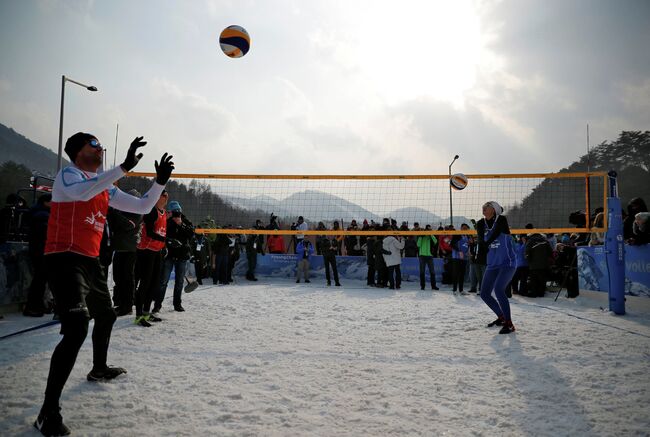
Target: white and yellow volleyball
x=235, y=41
x=458, y=181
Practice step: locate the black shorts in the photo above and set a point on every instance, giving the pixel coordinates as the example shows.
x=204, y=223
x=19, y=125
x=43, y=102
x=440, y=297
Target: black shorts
x=78, y=284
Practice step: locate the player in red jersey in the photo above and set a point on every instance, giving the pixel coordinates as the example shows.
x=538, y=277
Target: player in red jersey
x=80, y=201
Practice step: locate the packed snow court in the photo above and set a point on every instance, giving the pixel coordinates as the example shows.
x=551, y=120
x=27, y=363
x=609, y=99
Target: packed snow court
x=286, y=359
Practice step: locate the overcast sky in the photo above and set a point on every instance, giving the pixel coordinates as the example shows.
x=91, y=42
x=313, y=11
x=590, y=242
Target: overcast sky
x=341, y=87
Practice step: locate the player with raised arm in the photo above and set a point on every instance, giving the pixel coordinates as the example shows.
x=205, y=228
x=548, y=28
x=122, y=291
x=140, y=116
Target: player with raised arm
x=80, y=201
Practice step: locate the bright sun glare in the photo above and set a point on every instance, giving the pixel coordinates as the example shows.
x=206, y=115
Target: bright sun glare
x=414, y=48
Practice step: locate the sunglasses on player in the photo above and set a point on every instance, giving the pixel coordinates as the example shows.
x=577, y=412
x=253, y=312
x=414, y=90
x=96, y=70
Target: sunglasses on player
x=94, y=144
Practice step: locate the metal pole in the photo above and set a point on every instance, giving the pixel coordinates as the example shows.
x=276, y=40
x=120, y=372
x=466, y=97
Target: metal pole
x=451, y=206
x=117, y=129
x=60, y=156
x=63, y=81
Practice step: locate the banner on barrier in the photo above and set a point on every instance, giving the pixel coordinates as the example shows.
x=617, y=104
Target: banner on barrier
x=593, y=275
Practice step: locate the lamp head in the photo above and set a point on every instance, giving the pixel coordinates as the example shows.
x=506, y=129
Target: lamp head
x=92, y=88
x=456, y=157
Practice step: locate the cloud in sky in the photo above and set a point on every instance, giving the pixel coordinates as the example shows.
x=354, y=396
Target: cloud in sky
x=333, y=86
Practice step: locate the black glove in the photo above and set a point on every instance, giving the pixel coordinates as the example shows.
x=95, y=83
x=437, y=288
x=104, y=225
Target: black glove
x=131, y=158
x=164, y=169
x=173, y=243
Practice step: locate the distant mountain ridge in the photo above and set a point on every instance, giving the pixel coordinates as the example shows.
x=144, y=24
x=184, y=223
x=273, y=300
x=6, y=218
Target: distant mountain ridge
x=312, y=204
x=21, y=150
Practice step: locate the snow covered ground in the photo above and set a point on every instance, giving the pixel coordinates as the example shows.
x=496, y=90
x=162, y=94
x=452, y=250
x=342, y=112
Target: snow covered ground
x=283, y=359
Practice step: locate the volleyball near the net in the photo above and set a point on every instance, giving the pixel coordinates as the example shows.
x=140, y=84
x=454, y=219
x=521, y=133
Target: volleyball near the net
x=458, y=181
x=235, y=41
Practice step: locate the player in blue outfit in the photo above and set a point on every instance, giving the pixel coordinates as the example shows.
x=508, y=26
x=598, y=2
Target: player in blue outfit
x=493, y=231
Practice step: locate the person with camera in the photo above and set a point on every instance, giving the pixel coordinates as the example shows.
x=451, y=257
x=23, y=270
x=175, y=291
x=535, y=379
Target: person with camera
x=80, y=201
x=274, y=243
x=304, y=251
x=180, y=232
x=328, y=248
x=254, y=245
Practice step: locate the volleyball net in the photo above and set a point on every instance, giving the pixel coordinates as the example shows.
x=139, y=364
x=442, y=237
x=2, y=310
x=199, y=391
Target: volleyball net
x=231, y=204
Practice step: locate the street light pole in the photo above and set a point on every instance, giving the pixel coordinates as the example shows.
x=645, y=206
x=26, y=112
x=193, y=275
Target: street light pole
x=451, y=207
x=63, y=81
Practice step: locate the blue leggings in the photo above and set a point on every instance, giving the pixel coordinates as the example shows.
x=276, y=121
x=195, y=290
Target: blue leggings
x=497, y=279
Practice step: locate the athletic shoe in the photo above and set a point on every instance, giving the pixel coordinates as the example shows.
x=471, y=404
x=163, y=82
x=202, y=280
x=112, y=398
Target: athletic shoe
x=156, y=309
x=152, y=318
x=179, y=308
x=497, y=322
x=105, y=374
x=140, y=320
x=507, y=328
x=307, y=281
x=338, y=284
x=421, y=288
x=433, y=287
x=297, y=281
x=463, y=293
x=51, y=423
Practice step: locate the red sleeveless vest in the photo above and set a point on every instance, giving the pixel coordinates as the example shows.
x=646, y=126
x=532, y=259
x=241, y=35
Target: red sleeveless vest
x=77, y=226
x=160, y=228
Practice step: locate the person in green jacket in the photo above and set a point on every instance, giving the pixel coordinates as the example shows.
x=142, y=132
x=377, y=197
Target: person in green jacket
x=425, y=243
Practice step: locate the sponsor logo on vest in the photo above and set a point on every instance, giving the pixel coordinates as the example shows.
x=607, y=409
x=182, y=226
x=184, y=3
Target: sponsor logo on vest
x=94, y=220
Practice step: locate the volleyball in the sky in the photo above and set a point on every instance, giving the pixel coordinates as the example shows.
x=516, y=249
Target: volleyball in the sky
x=235, y=41
x=458, y=181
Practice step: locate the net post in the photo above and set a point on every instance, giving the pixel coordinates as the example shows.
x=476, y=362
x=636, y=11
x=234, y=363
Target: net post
x=615, y=249
x=587, y=202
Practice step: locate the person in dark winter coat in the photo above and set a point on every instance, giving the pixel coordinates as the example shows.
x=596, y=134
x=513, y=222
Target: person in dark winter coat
x=180, y=233
x=220, y=259
x=370, y=259
x=380, y=264
x=328, y=249
x=254, y=245
x=641, y=228
x=478, y=260
x=38, y=217
x=459, y=255
x=634, y=207
x=202, y=257
x=125, y=236
x=538, y=253
x=410, y=247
